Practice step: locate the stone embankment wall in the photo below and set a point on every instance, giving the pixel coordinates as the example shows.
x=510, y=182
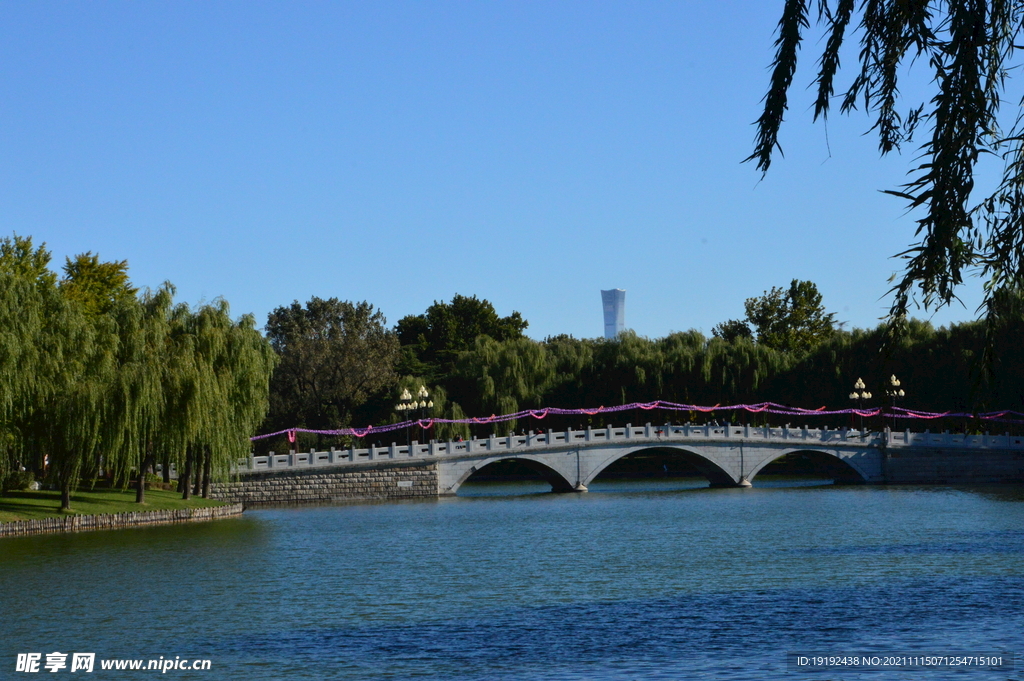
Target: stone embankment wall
x=114, y=521
x=932, y=465
x=312, y=485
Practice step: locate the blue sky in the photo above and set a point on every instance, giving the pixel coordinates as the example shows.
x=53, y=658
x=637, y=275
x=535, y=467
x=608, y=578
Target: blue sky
x=530, y=153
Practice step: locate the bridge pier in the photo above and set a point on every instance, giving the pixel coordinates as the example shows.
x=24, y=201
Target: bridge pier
x=731, y=485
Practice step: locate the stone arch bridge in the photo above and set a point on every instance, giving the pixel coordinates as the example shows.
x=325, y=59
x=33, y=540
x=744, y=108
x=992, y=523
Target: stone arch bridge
x=729, y=456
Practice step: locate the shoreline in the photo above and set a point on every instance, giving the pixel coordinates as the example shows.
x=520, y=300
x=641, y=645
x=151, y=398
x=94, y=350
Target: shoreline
x=115, y=521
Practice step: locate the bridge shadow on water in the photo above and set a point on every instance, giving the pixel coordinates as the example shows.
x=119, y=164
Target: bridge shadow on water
x=655, y=470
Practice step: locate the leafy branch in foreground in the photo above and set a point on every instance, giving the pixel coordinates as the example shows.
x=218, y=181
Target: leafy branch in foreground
x=969, y=47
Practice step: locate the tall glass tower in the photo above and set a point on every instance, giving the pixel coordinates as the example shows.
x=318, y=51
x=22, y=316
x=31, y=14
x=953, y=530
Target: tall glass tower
x=614, y=312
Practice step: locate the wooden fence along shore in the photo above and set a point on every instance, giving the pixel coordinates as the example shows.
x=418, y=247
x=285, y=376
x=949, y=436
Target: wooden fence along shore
x=112, y=521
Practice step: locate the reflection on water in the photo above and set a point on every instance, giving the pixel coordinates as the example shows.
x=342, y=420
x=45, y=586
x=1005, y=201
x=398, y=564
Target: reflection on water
x=473, y=488
x=649, y=578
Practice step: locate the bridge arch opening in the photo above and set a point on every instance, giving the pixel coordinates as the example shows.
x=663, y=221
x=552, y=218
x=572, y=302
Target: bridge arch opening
x=512, y=476
x=670, y=466
x=806, y=467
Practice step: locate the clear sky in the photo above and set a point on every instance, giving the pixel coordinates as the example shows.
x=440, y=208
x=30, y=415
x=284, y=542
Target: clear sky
x=530, y=153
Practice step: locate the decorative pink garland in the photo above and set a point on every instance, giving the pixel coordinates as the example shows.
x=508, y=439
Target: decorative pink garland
x=763, y=407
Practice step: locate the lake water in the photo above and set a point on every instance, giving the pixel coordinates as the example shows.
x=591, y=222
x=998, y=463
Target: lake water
x=639, y=579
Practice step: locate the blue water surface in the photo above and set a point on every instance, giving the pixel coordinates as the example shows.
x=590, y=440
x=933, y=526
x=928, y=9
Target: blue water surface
x=635, y=580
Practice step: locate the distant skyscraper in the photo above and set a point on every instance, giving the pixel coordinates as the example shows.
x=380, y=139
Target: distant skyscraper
x=614, y=312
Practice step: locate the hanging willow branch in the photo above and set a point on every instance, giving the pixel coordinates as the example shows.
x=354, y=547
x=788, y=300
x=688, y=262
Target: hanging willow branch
x=968, y=45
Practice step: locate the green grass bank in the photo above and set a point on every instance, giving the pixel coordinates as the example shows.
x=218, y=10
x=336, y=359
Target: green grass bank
x=36, y=505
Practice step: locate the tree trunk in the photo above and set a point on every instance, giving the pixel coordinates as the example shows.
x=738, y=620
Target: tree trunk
x=207, y=472
x=140, y=487
x=140, y=491
x=167, y=468
x=183, y=481
x=198, y=486
x=65, y=497
x=182, y=473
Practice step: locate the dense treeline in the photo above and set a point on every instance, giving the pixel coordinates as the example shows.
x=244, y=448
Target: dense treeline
x=474, y=362
x=961, y=368
x=97, y=376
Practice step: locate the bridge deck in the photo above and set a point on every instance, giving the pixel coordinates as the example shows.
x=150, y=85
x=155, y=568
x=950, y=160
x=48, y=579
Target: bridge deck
x=650, y=435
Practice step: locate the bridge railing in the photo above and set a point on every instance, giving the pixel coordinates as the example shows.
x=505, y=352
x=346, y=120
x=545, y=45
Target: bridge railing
x=947, y=439
x=648, y=432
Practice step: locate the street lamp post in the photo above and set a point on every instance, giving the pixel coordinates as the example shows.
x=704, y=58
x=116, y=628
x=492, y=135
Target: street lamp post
x=414, y=408
x=860, y=396
x=425, y=405
x=405, y=406
x=895, y=393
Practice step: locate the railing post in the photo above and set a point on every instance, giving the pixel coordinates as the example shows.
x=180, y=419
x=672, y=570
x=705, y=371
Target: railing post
x=589, y=433
x=270, y=459
x=372, y=453
x=629, y=430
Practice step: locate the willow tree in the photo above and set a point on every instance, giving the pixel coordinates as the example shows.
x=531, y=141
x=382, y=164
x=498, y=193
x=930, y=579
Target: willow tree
x=25, y=281
x=509, y=375
x=137, y=393
x=968, y=48
x=218, y=391
x=133, y=403
x=245, y=369
x=57, y=367
x=79, y=369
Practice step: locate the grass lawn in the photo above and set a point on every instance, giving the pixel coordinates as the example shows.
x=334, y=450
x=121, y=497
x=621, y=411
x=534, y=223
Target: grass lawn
x=33, y=505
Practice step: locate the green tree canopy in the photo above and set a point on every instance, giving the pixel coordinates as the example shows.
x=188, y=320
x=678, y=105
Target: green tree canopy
x=732, y=329
x=334, y=355
x=98, y=286
x=433, y=340
x=93, y=376
x=18, y=257
x=792, y=320
x=969, y=48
